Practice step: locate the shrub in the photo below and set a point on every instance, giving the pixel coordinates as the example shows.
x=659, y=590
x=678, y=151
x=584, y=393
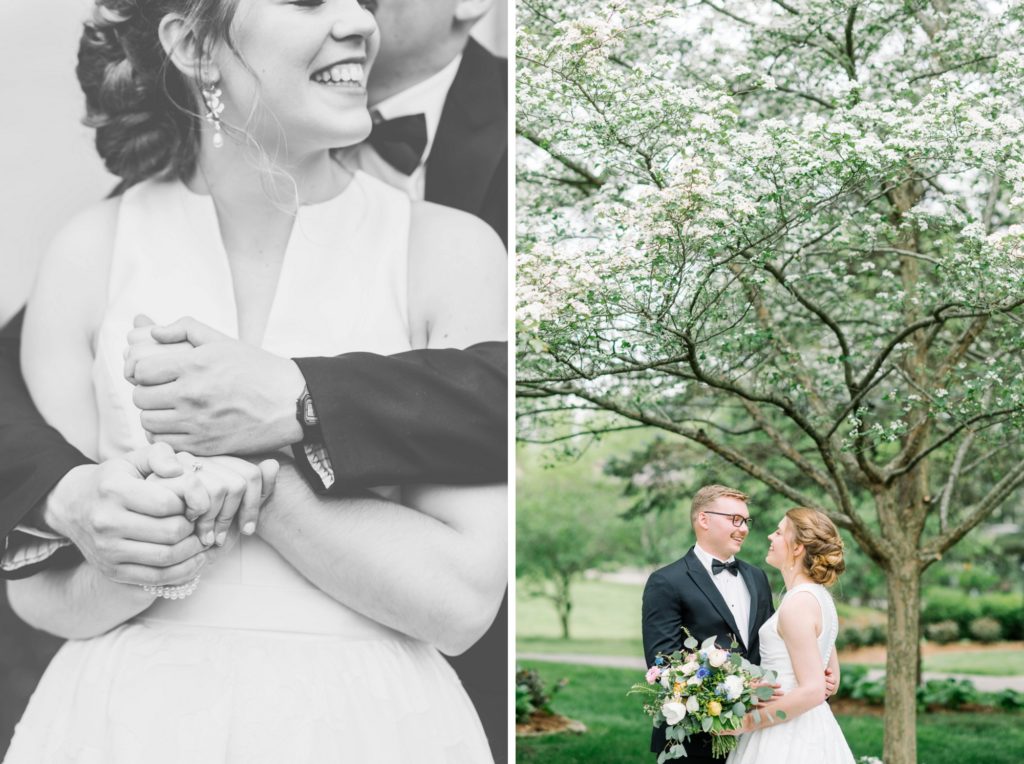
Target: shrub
x=947, y=693
x=531, y=695
x=1011, y=700
x=943, y=632
x=850, y=677
x=1008, y=609
x=943, y=604
x=850, y=636
x=871, y=691
x=986, y=629
x=876, y=634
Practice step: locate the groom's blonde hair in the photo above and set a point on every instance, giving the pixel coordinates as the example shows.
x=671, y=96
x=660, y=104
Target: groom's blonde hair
x=708, y=495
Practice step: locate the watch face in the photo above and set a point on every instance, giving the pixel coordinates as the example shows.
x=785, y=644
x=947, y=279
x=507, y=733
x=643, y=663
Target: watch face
x=308, y=412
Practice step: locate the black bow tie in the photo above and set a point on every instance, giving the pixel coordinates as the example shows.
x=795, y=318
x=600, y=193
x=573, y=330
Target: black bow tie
x=400, y=141
x=717, y=566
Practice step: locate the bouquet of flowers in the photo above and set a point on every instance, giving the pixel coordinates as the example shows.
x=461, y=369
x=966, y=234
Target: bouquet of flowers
x=703, y=689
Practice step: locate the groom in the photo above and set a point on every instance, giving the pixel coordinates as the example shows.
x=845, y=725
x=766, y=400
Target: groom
x=709, y=592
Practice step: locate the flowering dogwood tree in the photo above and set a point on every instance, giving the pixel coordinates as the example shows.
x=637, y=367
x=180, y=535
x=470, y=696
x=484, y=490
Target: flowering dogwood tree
x=808, y=211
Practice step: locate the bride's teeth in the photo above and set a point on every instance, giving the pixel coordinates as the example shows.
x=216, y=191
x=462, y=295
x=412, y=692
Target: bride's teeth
x=350, y=72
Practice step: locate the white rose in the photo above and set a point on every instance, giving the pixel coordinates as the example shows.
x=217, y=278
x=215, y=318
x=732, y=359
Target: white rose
x=665, y=681
x=689, y=668
x=692, y=704
x=733, y=687
x=674, y=712
x=717, y=657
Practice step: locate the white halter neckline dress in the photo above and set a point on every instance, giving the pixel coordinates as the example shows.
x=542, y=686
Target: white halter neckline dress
x=813, y=737
x=258, y=665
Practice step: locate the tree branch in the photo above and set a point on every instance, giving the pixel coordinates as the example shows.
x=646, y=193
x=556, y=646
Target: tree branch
x=589, y=178
x=1012, y=480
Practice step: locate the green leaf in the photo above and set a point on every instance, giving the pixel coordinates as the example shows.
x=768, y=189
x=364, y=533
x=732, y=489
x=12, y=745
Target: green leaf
x=706, y=723
x=781, y=715
x=763, y=693
x=690, y=643
x=739, y=710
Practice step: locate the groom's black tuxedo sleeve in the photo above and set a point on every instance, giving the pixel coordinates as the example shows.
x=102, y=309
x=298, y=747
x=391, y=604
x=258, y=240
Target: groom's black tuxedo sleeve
x=683, y=594
x=423, y=416
x=33, y=455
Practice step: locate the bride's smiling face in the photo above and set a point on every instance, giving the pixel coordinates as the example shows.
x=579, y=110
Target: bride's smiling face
x=779, y=545
x=296, y=78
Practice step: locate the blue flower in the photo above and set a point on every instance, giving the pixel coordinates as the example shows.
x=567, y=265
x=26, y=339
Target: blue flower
x=659, y=661
x=702, y=672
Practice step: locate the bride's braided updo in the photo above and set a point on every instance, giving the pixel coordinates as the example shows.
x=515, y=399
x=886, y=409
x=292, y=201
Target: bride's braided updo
x=146, y=113
x=823, y=547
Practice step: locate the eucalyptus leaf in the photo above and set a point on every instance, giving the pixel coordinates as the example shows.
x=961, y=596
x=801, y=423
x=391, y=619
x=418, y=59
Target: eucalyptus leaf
x=706, y=723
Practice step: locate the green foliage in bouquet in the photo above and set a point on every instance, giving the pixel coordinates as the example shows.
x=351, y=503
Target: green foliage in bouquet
x=703, y=689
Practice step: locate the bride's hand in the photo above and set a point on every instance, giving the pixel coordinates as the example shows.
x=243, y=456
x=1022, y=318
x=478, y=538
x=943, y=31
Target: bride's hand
x=217, y=489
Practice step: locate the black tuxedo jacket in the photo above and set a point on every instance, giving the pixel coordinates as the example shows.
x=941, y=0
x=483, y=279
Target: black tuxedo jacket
x=421, y=416
x=468, y=169
x=683, y=594
x=468, y=163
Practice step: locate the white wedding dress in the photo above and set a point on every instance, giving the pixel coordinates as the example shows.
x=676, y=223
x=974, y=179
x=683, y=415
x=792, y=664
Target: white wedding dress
x=258, y=665
x=813, y=737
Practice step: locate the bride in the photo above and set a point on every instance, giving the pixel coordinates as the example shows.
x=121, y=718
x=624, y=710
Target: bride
x=798, y=643
x=315, y=639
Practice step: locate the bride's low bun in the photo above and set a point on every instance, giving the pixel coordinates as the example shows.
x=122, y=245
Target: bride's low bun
x=823, y=547
x=145, y=112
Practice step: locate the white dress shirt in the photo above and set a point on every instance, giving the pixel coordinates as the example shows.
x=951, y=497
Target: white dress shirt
x=734, y=591
x=426, y=98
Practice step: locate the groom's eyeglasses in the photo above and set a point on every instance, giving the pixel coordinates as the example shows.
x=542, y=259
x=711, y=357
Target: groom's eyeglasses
x=737, y=520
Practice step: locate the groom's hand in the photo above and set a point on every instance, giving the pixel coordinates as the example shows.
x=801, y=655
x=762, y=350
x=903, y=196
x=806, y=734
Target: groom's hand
x=133, y=531
x=201, y=391
x=830, y=683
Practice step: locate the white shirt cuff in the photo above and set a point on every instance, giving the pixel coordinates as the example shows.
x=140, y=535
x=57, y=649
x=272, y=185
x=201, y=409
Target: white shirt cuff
x=320, y=461
x=29, y=546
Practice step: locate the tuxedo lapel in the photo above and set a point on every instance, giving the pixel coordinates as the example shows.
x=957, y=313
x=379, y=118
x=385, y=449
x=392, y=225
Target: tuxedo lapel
x=755, y=601
x=472, y=135
x=702, y=580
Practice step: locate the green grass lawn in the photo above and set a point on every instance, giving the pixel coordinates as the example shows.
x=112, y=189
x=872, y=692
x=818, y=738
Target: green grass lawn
x=606, y=621
x=619, y=733
x=992, y=663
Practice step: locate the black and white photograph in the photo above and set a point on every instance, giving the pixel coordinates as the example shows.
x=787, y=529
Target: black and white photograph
x=254, y=381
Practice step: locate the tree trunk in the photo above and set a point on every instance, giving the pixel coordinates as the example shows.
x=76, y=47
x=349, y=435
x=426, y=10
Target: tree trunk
x=564, y=605
x=904, y=589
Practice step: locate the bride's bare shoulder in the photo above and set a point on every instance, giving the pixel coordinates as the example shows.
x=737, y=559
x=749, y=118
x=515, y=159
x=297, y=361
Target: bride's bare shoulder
x=73, y=273
x=444, y=237
x=458, y=276
x=88, y=235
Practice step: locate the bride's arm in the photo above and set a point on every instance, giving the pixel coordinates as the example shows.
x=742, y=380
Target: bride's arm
x=799, y=625
x=436, y=568
x=56, y=361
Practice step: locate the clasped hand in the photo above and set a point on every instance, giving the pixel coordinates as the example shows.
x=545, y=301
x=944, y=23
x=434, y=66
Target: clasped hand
x=200, y=391
x=151, y=517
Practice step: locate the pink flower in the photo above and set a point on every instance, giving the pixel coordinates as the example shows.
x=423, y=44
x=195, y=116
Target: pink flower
x=653, y=673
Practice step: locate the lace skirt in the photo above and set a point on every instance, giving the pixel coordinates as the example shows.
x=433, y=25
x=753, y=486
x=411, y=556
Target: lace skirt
x=198, y=695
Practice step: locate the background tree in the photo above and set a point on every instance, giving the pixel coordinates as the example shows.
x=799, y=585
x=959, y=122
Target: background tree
x=564, y=527
x=805, y=211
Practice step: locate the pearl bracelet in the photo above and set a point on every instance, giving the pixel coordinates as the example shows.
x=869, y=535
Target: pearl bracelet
x=179, y=592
